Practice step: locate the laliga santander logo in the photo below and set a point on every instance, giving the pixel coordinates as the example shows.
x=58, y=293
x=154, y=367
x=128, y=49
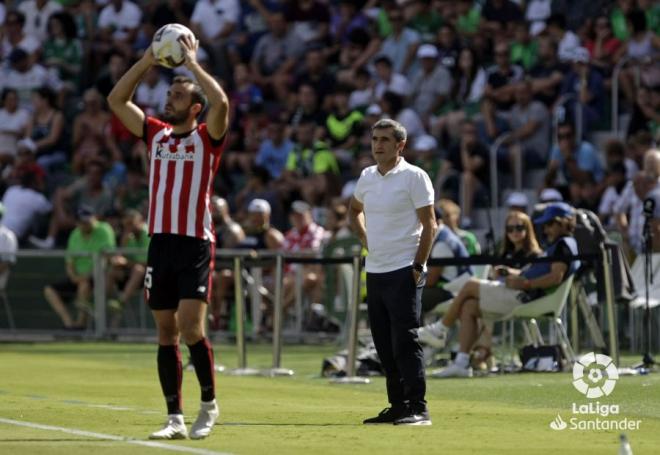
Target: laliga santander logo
x=588, y=377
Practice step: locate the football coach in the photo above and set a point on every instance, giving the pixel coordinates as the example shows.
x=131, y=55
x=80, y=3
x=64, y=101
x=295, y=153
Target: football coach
x=392, y=213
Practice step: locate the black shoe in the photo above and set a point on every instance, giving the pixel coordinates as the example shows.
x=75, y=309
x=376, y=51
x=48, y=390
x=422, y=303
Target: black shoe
x=414, y=416
x=388, y=415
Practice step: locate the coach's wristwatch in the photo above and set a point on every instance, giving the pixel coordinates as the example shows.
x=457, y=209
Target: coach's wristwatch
x=418, y=267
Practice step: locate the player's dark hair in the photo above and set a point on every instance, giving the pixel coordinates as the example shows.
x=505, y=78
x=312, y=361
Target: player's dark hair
x=197, y=94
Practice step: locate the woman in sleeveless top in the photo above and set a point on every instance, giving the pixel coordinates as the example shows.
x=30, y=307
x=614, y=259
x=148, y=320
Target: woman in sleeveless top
x=46, y=128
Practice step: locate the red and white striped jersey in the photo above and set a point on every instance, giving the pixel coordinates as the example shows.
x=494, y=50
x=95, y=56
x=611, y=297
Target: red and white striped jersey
x=181, y=170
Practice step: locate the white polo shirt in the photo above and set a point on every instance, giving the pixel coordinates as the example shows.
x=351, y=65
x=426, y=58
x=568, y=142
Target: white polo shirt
x=390, y=203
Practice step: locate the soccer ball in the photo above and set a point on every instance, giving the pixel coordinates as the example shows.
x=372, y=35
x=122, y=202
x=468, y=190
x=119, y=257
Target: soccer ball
x=166, y=46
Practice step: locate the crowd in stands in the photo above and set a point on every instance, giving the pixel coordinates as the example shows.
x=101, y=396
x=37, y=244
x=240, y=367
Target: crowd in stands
x=306, y=80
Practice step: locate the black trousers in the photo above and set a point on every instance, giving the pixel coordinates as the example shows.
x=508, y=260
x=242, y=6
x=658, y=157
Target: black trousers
x=394, y=302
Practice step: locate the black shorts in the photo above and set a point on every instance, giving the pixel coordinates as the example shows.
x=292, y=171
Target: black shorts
x=178, y=267
x=66, y=288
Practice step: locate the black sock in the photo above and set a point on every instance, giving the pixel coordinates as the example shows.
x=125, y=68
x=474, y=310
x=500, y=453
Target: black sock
x=201, y=354
x=170, y=373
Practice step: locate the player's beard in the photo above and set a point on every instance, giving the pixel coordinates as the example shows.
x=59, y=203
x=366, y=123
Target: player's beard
x=174, y=117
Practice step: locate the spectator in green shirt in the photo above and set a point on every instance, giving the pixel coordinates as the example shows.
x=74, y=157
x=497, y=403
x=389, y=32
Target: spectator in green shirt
x=469, y=18
x=90, y=236
x=311, y=168
x=524, y=50
x=127, y=270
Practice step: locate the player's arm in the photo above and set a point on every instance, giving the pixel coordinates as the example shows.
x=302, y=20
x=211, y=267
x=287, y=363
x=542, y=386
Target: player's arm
x=217, y=117
x=121, y=96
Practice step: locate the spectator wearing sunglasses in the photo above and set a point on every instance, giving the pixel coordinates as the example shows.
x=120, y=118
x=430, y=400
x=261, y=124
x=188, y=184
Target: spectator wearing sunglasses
x=519, y=243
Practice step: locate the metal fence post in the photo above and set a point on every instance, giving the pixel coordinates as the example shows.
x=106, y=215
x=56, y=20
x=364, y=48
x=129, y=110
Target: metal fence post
x=354, y=314
x=276, y=369
x=242, y=369
x=100, y=313
x=609, y=303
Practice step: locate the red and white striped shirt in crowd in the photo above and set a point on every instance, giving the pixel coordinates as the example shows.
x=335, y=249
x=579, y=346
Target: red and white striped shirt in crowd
x=307, y=239
x=181, y=170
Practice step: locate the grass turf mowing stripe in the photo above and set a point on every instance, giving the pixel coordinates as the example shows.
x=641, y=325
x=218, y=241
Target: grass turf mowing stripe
x=111, y=437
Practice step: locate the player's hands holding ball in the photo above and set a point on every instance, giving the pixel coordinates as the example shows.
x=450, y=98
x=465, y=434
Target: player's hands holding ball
x=189, y=46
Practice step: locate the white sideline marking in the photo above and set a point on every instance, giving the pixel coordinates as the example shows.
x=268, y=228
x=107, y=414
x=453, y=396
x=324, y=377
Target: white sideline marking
x=111, y=437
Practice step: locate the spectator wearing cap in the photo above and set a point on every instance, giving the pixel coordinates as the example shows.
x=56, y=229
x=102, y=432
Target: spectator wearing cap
x=24, y=203
x=90, y=236
x=424, y=154
x=502, y=79
x=550, y=195
x=305, y=237
x=389, y=80
x=8, y=247
x=517, y=202
x=400, y=46
x=579, y=165
x=585, y=83
x=13, y=121
x=15, y=36
x=431, y=84
x=498, y=298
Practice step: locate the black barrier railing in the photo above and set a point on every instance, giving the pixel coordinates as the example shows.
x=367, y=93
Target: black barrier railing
x=243, y=257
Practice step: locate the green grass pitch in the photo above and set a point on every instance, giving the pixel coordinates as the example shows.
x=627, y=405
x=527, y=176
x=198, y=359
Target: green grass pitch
x=112, y=389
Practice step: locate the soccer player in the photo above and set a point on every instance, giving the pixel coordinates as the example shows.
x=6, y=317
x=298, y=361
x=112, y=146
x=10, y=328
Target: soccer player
x=183, y=158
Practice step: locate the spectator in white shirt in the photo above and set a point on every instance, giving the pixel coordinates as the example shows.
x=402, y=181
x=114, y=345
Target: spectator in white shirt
x=26, y=76
x=118, y=25
x=8, y=247
x=566, y=39
x=24, y=203
x=214, y=23
x=15, y=37
x=13, y=121
x=151, y=94
x=37, y=13
x=388, y=80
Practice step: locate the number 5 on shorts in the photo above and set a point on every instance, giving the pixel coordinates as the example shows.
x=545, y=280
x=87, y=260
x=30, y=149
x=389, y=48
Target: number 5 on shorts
x=147, y=277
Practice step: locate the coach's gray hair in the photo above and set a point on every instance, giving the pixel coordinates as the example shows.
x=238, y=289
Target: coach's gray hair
x=398, y=130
